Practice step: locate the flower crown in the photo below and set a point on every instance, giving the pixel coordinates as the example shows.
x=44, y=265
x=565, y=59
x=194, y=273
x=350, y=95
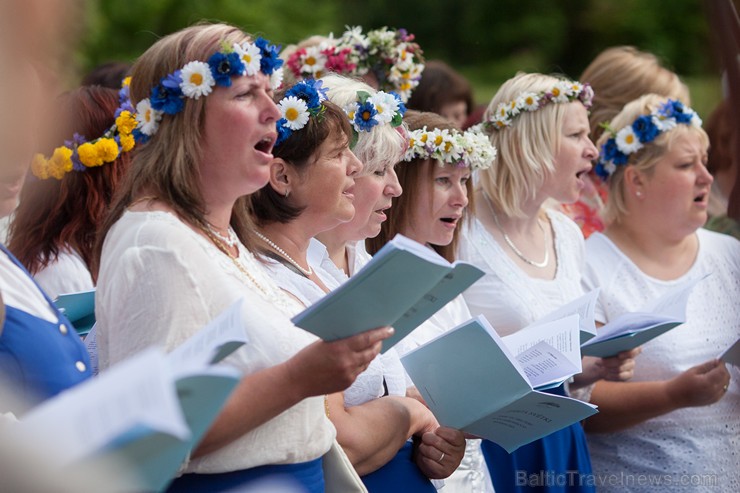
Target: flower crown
x=315, y=61
x=79, y=154
x=645, y=129
x=371, y=110
x=562, y=92
x=197, y=79
x=391, y=55
x=300, y=102
x=462, y=149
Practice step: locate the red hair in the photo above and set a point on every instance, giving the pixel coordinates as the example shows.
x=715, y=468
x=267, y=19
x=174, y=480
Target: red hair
x=58, y=214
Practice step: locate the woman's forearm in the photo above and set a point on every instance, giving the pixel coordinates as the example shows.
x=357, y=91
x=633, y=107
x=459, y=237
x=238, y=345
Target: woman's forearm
x=373, y=432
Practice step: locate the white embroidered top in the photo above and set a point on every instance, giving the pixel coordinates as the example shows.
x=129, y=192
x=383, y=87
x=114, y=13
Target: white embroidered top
x=160, y=282
x=690, y=444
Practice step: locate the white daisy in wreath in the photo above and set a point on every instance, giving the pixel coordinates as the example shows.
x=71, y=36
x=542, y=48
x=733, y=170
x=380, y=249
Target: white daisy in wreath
x=197, y=80
x=386, y=105
x=528, y=101
x=627, y=140
x=250, y=55
x=295, y=112
x=147, y=117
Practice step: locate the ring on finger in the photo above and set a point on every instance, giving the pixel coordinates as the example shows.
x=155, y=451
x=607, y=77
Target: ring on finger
x=441, y=458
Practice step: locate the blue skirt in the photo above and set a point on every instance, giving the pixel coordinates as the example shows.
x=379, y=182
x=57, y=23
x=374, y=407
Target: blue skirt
x=305, y=476
x=559, y=462
x=400, y=475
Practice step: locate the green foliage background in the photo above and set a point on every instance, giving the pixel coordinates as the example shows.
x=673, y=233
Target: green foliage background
x=487, y=40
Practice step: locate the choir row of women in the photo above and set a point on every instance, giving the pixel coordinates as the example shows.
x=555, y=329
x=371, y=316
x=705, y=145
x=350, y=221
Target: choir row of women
x=206, y=179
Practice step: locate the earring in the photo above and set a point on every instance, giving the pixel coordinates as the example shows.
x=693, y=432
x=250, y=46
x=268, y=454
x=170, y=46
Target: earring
x=638, y=193
x=287, y=192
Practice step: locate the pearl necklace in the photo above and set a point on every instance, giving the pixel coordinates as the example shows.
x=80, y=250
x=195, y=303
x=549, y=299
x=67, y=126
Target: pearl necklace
x=539, y=265
x=229, y=240
x=306, y=272
x=221, y=246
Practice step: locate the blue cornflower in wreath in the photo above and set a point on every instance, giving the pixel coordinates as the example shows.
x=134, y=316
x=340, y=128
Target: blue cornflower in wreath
x=167, y=95
x=610, y=152
x=645, y=128
x=224, y=66
x=301, y=102
x=310, y=91
x=364, y=118
x=271, y=60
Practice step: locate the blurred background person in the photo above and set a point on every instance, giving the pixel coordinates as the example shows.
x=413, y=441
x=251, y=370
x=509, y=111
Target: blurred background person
x=53, y=230
x=617, y=75
x=722, y=164
x=444, y=91
x=107, y=74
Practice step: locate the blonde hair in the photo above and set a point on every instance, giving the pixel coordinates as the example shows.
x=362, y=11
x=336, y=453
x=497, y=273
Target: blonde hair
x=526, y=149
x=167, y=166
x=647, y=157
x=621, y=74
x=384, y=145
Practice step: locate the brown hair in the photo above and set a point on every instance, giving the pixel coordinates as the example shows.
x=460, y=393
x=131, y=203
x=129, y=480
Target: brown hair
x=440, y=84
x=58, y=214
x=109, y=74
x=410, y=175
x=167, y=166
x=621, y=74
x=299, y=151
x=719, y=128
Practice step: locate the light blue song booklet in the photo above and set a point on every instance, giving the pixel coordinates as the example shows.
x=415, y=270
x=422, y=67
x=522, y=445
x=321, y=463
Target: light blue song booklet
x=79, y=308
x=403, y=285
x=472, y=382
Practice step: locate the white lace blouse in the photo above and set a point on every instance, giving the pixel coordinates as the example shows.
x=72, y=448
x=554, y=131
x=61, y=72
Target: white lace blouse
x=160, y=282
x=690, y=444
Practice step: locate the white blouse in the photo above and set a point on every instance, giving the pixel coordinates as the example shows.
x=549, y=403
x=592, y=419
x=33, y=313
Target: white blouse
x=508, y=297
x=67, y=274
x=385, y=370
x=699, y=442
x=20, y=292
x=160, y=282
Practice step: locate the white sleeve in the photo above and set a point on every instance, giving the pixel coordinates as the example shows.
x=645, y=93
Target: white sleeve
x=148, y=297
x=595, y=273
x=68, y=274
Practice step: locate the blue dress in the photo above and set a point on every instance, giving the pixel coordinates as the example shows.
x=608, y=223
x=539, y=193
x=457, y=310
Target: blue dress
x=39, y=358
x=399, y=475
x=559, y=462
x=305, y=477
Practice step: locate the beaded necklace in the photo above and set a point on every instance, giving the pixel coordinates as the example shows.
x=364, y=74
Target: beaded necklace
x=221, y=246
x=306, y=272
